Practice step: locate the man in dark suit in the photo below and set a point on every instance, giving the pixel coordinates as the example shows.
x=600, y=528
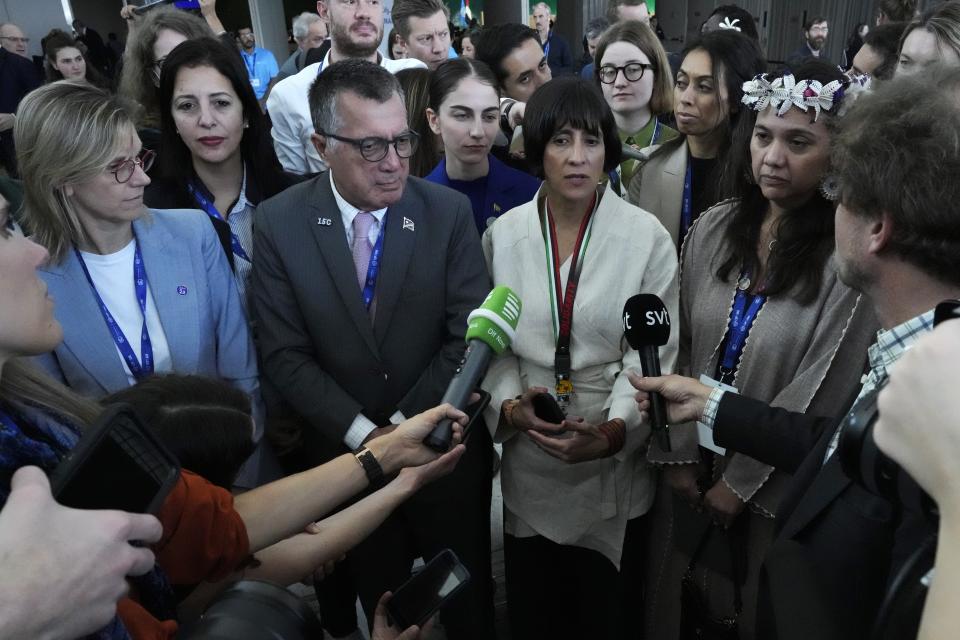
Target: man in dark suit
x=18, y=77
x=362, y=283
x=815, y=32
x=556, y=48
x=838, y=546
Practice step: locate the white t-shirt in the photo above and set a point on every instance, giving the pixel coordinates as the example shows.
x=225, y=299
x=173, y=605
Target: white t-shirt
x=289, y=108
x=112, y=274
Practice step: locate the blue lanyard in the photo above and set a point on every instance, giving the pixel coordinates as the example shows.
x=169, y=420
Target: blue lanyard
x=8, y=422
x=546, y=47
x=320, y=68
x=686, y=213
x=374, y=267
x=211, y=211
x=146, y=347
x=251, y=67
x=742, y=317
x=656, y=131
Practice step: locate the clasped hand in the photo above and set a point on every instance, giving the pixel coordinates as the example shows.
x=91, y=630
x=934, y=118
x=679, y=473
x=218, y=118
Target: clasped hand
x=573, y=440
x=401, y=447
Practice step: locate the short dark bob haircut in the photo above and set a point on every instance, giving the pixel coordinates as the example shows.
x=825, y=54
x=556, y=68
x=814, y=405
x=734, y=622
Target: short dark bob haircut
x=571, y=102
x=204, y=422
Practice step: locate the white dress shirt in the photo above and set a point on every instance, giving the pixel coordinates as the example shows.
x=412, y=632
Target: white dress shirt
x=289, y=108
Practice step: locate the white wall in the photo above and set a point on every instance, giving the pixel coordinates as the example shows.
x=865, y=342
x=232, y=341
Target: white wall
x=36, y=18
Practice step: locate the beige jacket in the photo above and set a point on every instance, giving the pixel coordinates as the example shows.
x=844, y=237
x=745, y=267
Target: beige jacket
x=657, y=186
x=629, y=252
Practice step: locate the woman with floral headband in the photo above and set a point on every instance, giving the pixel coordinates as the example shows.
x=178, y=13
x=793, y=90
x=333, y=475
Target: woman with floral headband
x=762, y=311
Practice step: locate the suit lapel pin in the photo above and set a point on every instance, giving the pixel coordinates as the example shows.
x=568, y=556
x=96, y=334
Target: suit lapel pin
x=496, y=208
x=407, y=224
x=182, y=290
x=324, y=222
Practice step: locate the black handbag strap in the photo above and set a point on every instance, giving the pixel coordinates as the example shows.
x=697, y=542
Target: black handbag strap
x=734, y=565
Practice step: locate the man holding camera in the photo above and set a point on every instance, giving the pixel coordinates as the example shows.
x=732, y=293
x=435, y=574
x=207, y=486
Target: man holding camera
x=838, y=545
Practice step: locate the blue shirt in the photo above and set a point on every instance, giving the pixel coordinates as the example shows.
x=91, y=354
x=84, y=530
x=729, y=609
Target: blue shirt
x=261, y=68
x=502, y=189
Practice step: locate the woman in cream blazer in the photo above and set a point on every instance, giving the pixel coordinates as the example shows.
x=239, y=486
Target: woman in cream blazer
x=574, y=502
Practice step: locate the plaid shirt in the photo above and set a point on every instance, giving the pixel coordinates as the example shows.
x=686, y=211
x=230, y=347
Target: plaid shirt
x=882, y=354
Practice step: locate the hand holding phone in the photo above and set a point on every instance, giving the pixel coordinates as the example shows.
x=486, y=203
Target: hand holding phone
x=427, y=591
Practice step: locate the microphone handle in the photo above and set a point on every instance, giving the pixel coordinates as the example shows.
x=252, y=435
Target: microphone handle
x=650, y=364
x=472, y=367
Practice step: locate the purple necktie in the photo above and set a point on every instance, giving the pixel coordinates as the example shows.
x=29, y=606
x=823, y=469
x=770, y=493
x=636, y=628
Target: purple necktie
x=362, y=249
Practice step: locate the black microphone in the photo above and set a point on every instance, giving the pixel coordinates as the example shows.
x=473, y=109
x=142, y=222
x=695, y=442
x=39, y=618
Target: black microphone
x=946, y=310
x=490, y=330
x=646, y=325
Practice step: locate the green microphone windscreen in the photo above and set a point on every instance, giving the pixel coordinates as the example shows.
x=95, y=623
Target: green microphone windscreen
x=495, y=322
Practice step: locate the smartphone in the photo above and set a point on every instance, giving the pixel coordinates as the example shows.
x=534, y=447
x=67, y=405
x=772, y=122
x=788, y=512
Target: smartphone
x=117, y=464
x=474, y=411
x=546, y=408
x=427, y=590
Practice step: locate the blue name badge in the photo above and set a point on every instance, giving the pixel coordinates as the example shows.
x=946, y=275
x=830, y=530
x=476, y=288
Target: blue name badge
x=705, y=433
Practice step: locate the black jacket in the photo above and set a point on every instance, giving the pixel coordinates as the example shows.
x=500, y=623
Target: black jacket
x=168, y=193
x=18, y=77
x=837, y=545
x=559, y=57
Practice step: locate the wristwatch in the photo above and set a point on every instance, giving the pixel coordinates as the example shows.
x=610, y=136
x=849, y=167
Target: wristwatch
x=370, y=465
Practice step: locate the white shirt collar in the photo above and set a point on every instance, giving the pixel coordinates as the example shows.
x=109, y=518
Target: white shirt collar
x=348, y=211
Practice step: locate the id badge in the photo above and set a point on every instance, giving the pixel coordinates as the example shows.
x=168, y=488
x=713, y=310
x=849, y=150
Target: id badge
x=705, y=433
x=255, y=83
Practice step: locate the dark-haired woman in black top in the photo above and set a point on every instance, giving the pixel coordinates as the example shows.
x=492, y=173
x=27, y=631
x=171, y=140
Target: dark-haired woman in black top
x=215, y=149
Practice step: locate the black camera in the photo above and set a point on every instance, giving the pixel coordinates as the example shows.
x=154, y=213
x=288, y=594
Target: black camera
x=865, y=464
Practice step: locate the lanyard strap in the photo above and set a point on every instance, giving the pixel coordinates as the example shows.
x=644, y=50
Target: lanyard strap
x=139, y=371
x=742, y=317
x=546, y=46
x=211, y=211
x=320, y=68
x=373, y=268
x=561, y=303
x=251, y=66
x=686, y=213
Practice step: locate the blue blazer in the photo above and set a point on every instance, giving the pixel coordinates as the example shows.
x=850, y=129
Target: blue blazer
x=506, y=188
x=196, y=298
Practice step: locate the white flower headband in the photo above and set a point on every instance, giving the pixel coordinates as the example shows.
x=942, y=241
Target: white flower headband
x=785, y=92
x=727, y=24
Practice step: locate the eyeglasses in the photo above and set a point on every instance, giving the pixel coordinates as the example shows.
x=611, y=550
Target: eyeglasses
x=632, y=72
x=375, y=149
x=16, y=40
x=124, y=170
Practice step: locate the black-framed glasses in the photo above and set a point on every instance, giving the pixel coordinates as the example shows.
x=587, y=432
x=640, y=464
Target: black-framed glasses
x=124, y=170
x=375, y=149
x=632, y=72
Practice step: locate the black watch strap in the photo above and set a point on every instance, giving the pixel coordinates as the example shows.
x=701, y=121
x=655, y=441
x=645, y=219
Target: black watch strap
x=371, y=465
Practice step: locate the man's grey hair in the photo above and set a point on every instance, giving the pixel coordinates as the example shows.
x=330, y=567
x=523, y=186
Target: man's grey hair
x=595, y=27
x=543, y=5
x=302, y=23
x=360, y=77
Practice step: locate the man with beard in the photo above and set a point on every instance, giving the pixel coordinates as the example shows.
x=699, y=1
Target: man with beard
x=838, y=547
x=815, y=32
x=260, y=63
x=356, y=30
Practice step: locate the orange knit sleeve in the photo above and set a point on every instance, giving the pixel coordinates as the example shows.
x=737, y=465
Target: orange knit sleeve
x=204, y=538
